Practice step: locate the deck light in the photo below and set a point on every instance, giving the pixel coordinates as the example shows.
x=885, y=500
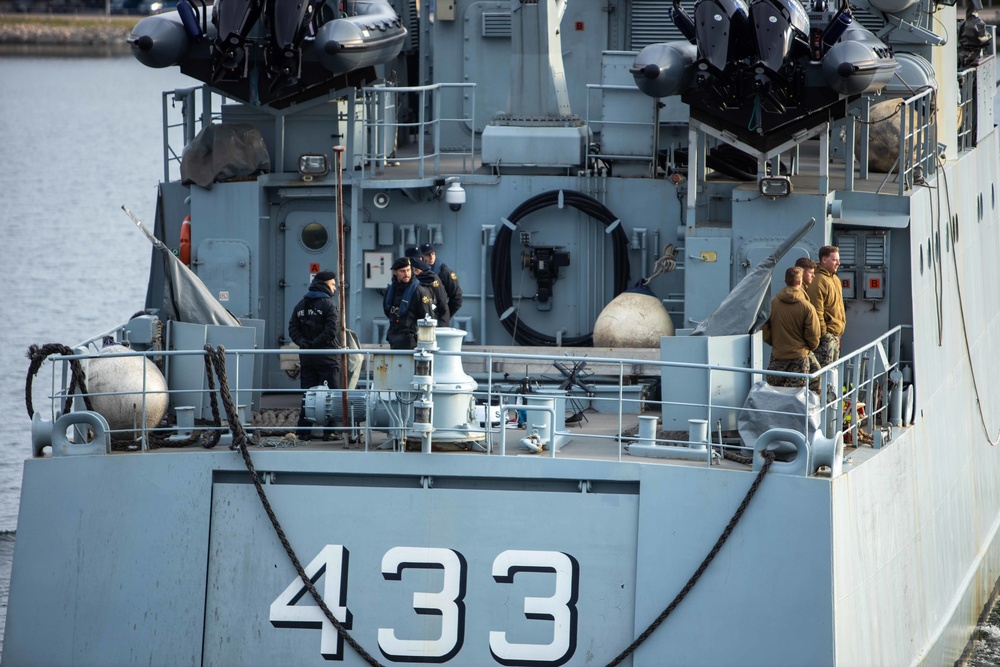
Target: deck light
x=775, y=186
x=423, y=364
x=422, y=415
x=311, y=166
x=426, y=334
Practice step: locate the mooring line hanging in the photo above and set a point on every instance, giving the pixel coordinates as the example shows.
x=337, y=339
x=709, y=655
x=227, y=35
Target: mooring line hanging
x=218, y=357
x=768, y=460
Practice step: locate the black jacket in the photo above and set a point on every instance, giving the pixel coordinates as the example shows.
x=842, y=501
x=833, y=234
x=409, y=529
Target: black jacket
x=450, y=281
x=315, y=323
x=404, y=305
x=430, y=280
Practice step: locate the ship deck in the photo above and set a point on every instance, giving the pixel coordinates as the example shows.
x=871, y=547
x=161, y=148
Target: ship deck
x=594, y=437
x=409, y=164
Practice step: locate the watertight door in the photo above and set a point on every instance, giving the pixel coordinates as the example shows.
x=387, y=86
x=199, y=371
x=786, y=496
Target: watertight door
x=310, y=238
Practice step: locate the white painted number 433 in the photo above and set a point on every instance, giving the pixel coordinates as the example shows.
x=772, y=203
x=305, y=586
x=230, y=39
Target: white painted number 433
x=559, y=610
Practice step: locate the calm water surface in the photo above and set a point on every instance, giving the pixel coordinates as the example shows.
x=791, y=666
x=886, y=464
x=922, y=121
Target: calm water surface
x=79, y=137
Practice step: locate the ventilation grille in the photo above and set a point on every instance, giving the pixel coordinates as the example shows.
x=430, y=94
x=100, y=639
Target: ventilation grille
x=496, y=24
x=875, y=250
x=651, y=23
x=848, y=245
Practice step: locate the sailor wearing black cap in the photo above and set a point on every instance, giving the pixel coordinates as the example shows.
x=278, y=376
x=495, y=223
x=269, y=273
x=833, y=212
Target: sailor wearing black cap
x=447, y=277
x=431, y=280
x=406, y=302
x=315, y=325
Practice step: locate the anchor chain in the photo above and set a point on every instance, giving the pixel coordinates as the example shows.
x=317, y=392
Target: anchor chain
x=768, y=460
x=218, y=356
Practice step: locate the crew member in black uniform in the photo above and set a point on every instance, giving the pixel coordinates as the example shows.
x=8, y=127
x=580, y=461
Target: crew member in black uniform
x=447, y=277
x=430, y=280
x=406, y=302
x=315, y=325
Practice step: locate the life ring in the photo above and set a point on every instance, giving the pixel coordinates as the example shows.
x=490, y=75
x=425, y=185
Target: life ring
x=185, y=241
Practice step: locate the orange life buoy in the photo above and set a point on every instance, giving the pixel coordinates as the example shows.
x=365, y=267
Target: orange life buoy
x=185, y=243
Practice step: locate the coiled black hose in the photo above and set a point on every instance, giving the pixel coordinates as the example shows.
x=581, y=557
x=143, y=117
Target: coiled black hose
x=501, y=263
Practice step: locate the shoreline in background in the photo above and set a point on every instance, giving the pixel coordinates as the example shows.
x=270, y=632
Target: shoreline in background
x=65, y=35
x=100, y=35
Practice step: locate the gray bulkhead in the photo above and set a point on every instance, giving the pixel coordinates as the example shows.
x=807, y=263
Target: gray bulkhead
x=272, y=232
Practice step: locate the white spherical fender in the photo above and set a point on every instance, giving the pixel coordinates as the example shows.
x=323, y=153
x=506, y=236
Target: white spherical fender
x=124, y=388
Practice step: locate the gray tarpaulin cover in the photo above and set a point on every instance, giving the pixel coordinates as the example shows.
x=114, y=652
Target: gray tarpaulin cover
x=761, y=410
x=224, y=151
x=185, y=297
x=749, y=305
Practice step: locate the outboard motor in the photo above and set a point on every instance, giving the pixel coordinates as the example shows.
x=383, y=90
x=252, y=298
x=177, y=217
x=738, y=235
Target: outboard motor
x=781, y=31
x=234, y=19
x=722, y=31
x=724, y=40
x=290, y=23
x=781, y=34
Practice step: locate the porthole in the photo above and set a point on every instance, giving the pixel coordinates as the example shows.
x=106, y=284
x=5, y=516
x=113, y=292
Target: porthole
x=315, y=236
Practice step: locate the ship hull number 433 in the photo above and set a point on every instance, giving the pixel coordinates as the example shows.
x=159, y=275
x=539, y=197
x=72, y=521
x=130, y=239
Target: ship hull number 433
x=559, y=609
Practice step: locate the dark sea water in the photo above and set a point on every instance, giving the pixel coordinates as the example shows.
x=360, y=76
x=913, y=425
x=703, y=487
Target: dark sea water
x=79, y=137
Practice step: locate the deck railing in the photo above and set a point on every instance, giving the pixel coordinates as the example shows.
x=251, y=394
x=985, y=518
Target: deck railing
x=375, y=112
x=859, y=395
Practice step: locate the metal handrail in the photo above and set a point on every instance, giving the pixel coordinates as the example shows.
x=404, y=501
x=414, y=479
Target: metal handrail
x=379, y=126
x=866, y=375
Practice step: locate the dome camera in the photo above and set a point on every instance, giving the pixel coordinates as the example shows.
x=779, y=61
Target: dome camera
x=455, y=196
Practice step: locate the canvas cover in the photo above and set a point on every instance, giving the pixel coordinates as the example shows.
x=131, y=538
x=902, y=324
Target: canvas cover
x=224, y=151
x=748, y=306
x=770, y=407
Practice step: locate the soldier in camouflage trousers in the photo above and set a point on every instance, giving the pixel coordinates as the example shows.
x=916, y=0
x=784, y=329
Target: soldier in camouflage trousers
x=826, y=295
x=792, y=331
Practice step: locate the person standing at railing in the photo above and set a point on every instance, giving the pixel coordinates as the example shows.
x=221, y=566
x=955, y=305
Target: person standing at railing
x=972, y=37
x=808, y=274
x=792, y=331
x=406, y=302
x=827, y=297
x=447, y=277
x=315, y=325
x=431, y=281
x=808, y=270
